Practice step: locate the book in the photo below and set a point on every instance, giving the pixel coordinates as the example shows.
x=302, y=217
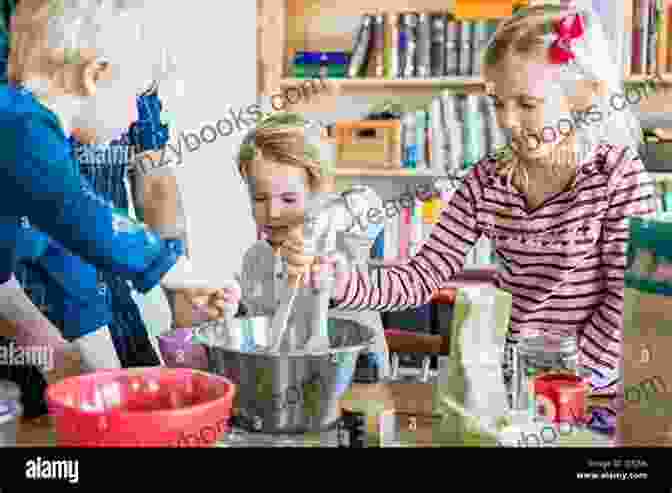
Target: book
x=644, y=27
x=452, y=52
x=408, y=32
x=652, y=44
x=388, y=238
x=321, y=58
x=438, y=48
x=466, y=42
x=360, y=50
x=391, y=46
x=638, y=46
x=437, y=145
x=423, y=57
x=409, y=139
x=479, y=38
x=420, y=136
x=376, y=63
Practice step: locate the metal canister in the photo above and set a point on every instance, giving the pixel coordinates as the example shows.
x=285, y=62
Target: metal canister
x=10, y=411
x=536, y=356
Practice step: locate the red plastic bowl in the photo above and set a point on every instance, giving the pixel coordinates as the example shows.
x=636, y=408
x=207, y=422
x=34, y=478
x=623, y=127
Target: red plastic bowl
x=141, y=407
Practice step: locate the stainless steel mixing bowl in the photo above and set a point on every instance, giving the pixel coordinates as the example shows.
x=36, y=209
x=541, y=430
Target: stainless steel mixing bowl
x=288, y=393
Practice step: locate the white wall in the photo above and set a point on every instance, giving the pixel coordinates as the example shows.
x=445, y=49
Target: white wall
x=216, y=56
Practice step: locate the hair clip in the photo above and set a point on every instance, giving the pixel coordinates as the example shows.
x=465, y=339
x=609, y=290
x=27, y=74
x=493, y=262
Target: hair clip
x=566, y=30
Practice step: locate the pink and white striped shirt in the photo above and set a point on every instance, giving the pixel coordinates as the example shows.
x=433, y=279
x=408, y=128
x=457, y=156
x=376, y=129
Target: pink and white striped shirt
x=563, y=261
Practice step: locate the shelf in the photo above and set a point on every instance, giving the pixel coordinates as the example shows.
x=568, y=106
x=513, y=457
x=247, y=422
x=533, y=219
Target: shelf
x=364, y=83
x=394, y=173
x=667, y=78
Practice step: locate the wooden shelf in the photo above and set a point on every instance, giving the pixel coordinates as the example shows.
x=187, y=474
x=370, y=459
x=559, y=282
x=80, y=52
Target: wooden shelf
x=374, y=172
x=667, y=78
x=363, y=83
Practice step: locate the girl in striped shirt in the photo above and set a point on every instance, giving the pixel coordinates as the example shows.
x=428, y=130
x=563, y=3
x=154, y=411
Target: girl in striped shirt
x=555, y=206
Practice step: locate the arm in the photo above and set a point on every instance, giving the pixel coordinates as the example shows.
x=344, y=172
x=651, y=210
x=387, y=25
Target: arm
x=38, y=178
x=631, y=194
x=441, y=257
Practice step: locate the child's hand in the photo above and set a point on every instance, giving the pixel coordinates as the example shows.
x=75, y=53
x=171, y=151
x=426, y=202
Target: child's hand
x=212, y=303
x=294, y=252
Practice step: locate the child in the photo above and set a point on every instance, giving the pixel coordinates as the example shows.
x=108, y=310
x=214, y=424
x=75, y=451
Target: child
x=45, y=94
x=281, y=171
x=556, y=211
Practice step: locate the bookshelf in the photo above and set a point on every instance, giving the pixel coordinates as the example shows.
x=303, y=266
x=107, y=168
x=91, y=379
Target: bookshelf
x=288, y=26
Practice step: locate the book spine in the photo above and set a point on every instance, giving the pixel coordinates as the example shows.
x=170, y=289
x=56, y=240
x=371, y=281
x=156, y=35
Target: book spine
x=376, y=64
x=479, y=35
x=428, y=138
x=438, y=144
x=410, y=141
x=466, y=36
x=438, y=56
x=409, y=28
x=424, y=46
x=472, y=130
x=453, y=128
x=627, y=51
x=644, y=29
x=637, y=37
x=420, y=119
x=361, y=49
x=391, y=46
x=452, y=66
x=653, y=37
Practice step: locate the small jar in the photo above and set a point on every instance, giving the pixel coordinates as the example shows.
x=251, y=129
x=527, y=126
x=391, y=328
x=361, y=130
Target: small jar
x=535, y=356
x=10, y=412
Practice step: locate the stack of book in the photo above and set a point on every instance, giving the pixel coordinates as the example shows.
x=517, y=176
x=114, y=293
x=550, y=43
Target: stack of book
x=418, y=45
x=651, y=37
x=324, y=64
x=454, y=133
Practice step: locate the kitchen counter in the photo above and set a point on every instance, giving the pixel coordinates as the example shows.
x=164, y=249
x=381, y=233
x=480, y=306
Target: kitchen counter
x=411, y=402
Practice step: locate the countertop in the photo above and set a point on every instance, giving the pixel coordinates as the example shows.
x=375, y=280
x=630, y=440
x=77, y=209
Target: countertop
x=411, y=402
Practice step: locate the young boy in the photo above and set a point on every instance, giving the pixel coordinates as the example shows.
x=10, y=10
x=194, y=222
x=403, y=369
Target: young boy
x=282, y=171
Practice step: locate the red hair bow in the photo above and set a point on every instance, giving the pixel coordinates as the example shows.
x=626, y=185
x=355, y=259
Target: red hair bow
x=566, y=29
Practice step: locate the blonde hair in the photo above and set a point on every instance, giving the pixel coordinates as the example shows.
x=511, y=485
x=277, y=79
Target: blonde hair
x=281, y=138
x=523, y=36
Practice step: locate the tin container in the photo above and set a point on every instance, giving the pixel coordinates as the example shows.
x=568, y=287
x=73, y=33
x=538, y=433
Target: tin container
x=560, y=398
x=10, y=412
x=536, y=356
